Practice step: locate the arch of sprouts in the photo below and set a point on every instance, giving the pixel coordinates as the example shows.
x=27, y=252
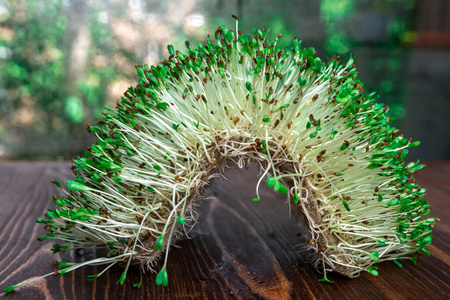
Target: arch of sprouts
x=319, y=138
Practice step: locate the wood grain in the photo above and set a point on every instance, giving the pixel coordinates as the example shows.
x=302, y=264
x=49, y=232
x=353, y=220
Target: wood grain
x=237, y=250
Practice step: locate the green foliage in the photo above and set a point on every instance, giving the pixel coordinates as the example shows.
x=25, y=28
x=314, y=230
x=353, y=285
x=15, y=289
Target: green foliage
x=339, y=17
x=43, y=106
x=43, y=102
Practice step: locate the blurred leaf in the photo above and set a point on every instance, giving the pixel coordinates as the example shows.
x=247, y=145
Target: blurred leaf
x=16, y=71
x=74, y=108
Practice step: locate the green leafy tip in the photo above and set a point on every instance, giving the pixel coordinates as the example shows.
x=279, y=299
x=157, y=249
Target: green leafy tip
x=277, y=186
x=375, y=256
x=397, y=263
x=254, y=200
x=123, y=277
x=347, y=207
x=170, y=49
x=248, y=85
x=159, y=242
x=180, y=220
x=57, y=183
x=140, y=71
x=270, y=181
x=381, y=241
x=9, y=289
x=76, y=186
x=64, y=264
x=373, y=271
x=414, y=144
x=162, y=105
x=162, y=278
x=296, y=197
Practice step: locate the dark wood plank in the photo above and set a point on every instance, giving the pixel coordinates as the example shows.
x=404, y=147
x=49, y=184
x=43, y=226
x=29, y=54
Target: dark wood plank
x=237, y=250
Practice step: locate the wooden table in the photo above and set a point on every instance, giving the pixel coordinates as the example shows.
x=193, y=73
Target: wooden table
x=238, y=250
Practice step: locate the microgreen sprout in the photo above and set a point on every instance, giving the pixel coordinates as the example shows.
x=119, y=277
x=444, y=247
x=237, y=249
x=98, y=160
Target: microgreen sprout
x=318, y=136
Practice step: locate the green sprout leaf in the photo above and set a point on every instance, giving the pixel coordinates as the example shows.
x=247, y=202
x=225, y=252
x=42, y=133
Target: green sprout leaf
x=140, y=72
x=397, y=263
x=343, y=147
x=9, y=289
x=162, y=105
x=280, y=187
x=123, y=277
x=375, y=256
x=162, y=278
x=346, y=205
x=349, y=63
x=270, y=182
x=264, y=150
x=393, y=202
x=64, y=264
x=313, y=135
x=414, y=144
x=333, y=133
x=277, y=186
x=381, y=241
x=76, y=186
x=52, y=215
x=159, y=242
x=373, y=271
x=266, y=119
x=57, y=183
x=425, y=241
x=254, y=200
x=248, y=85
x=170, y=49
x=129, y=152
x=295, y=197
x=140, y=106
x=180, y=220
x=39, y=220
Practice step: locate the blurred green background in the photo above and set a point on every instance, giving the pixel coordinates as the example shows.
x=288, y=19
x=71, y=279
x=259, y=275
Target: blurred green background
x=63, y=61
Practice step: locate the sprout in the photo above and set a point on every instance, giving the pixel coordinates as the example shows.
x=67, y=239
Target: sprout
x=319, y=138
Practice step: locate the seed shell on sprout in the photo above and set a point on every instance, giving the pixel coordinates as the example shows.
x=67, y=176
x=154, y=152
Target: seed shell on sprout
x=318, y=137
